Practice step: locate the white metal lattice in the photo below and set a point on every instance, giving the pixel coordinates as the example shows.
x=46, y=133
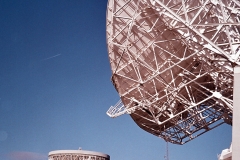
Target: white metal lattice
x=172, y=63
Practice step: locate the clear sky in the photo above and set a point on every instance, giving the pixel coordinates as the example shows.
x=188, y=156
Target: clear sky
x=55, y=88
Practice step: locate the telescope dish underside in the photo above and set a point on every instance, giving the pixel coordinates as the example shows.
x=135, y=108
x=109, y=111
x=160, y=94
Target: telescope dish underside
x=172, y=63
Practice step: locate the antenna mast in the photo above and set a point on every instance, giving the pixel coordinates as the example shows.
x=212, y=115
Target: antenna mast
x=166, y=157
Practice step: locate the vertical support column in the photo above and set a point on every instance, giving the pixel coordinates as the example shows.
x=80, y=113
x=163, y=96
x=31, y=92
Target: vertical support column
x=236, y=115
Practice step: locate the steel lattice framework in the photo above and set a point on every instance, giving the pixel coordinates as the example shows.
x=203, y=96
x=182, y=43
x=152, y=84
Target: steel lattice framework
x=172, y=63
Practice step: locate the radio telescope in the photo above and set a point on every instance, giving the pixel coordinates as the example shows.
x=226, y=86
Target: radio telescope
x=173, y=63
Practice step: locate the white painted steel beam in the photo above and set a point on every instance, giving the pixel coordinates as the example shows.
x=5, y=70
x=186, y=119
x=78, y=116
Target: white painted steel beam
x=236, y=115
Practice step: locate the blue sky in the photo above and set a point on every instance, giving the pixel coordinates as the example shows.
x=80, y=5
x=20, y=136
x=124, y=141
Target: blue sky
x=55, y=88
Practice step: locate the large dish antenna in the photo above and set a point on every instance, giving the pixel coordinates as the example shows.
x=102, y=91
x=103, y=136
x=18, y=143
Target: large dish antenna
x=172, y=63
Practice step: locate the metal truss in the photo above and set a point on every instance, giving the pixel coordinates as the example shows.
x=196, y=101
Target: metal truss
x=172, y=63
